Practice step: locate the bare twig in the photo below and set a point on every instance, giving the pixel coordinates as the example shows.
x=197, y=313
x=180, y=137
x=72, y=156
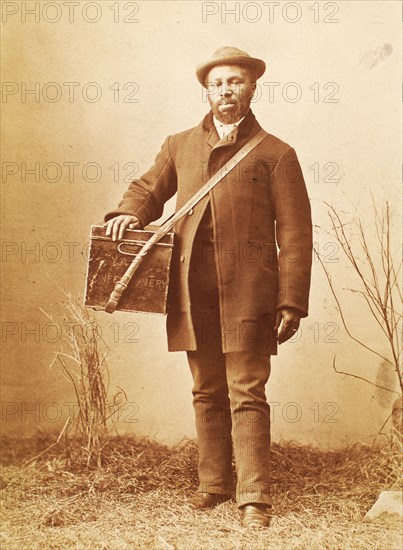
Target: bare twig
x=343, y=317
x=361, y=378
x=378, y=288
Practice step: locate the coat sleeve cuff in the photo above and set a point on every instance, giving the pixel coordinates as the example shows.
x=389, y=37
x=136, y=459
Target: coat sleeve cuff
x=294, y=298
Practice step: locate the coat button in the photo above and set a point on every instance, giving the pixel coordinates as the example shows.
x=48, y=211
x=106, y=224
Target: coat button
x=190, y=212
x=182, y=258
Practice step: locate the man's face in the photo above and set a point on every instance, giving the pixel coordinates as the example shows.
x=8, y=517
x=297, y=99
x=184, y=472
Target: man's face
x=230, y=89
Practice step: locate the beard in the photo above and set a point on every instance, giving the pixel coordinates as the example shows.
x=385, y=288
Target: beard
x=233, y=113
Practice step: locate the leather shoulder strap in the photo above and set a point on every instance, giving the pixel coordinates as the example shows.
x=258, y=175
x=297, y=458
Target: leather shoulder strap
x=212, y=182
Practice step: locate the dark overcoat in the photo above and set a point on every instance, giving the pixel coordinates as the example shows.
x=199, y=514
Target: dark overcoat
x=262, y=230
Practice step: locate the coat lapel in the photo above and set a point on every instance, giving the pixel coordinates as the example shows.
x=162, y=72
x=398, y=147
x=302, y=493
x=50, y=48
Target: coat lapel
x=212, y=137
x=211, y=133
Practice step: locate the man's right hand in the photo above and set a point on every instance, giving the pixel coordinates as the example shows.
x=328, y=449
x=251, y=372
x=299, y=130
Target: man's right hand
x=116, y=227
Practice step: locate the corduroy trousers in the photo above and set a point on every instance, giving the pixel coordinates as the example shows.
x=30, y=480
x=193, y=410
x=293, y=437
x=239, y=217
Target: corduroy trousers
x=231, y=410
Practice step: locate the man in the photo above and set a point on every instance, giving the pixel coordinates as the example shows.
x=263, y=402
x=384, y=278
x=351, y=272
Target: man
x=230, y=290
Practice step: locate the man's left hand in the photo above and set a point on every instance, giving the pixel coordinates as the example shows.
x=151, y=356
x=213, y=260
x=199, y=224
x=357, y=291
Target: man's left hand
x=289, y=319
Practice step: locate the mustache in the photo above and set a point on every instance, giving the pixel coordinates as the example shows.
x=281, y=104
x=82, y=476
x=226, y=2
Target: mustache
x=228, y=102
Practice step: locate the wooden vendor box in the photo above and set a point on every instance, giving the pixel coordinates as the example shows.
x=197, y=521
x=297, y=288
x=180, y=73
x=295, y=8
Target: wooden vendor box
x=108, y=261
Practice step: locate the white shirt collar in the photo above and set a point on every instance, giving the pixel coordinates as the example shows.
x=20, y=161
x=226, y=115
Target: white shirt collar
x=224, y=129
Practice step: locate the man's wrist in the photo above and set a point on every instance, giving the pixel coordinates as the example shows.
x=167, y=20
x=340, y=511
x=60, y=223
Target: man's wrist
x=290, y=309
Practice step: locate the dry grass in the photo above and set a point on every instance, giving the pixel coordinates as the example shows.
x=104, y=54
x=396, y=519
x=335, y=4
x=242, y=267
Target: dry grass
x=84, y=365
x=136, y=500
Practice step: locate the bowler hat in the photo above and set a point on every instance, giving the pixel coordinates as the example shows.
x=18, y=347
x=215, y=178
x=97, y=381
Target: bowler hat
x=229, y=56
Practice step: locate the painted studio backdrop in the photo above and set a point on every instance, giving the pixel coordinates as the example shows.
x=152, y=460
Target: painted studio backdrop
x=90, y=90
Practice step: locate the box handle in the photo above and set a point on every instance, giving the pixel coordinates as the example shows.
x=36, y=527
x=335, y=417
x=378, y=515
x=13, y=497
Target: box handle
x=141, y=243
x=127, y=253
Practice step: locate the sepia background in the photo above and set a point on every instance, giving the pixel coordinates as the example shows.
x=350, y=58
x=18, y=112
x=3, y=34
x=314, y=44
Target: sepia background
x=90, y=91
